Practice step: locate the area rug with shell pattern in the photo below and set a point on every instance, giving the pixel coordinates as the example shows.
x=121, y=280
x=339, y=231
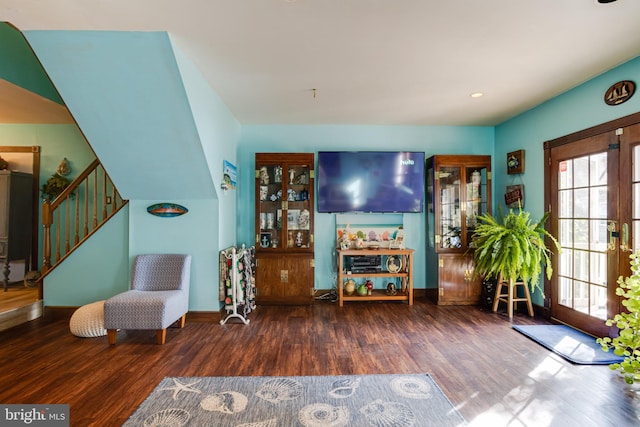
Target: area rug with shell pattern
x=401, y=400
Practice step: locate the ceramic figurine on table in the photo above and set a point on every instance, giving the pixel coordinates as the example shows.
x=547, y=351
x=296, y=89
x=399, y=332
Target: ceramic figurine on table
x=369, y=285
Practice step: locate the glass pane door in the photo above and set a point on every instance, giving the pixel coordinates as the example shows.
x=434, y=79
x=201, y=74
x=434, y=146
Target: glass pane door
x=583, y=235
x=476, y=198
x=269, y=206
x=299, y=207
x=450, y=212
x=586, y=221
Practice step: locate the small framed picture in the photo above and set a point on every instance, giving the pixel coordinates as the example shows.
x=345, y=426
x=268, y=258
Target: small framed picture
x=265, y=239
x=515, y=162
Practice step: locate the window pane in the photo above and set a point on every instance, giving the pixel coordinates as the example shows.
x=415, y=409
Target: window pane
x=565, y=198
x=581, y=172
x=581, y=234
x=599, y=268
x=565, y=293
x=565, y=232
x=599, y=235
x=581, y=203
x=599, y=302
x=598, y=202
x=636, y=200
x=580, y=265
x=565, y=174
x=599, y=169
x=566, y=264
x=581, y=296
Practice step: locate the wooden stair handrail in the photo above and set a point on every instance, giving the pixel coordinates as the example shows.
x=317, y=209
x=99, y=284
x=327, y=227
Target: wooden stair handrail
x=85, y=186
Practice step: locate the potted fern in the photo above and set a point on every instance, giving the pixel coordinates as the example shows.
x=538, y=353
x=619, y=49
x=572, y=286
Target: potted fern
x=512, y=246
x=627, y=343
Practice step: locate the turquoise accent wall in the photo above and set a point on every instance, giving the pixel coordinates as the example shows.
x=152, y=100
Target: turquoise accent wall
x=219, y=133
x=20, y=67
x=193, y=233
x=430, y=139
x=577, y=109
x=126, y=93
x=162, y=134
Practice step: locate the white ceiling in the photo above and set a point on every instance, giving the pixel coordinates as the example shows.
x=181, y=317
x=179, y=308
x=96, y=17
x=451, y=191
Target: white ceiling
x=389, y=62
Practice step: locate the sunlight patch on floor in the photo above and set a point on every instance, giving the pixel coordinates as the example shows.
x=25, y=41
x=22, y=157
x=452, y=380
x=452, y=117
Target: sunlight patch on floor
x=520, y=407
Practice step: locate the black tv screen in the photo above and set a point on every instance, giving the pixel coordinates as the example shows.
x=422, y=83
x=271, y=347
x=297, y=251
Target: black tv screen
x=370, y=181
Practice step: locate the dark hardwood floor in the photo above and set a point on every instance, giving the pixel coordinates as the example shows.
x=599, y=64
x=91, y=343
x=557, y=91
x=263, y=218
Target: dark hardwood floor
x=492, y=374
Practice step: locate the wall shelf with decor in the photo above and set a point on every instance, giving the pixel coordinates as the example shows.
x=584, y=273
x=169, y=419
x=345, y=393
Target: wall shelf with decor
x=396, y=264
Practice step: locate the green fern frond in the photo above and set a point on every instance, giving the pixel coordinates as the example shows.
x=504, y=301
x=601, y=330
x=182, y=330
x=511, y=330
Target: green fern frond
x=512, y=245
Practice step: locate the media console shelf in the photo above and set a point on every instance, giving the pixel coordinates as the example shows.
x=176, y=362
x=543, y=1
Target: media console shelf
x=404, y=272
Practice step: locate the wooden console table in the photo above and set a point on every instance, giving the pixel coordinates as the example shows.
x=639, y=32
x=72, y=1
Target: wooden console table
x=404, y=272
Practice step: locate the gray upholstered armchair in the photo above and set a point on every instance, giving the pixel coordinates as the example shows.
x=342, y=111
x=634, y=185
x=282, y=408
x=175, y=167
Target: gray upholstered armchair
x=159, y=296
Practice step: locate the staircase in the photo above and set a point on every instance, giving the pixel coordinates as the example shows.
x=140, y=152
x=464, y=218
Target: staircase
x=69, y=220
x=78, y=212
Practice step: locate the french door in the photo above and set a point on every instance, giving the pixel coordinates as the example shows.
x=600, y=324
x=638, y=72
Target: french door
x=593, y=189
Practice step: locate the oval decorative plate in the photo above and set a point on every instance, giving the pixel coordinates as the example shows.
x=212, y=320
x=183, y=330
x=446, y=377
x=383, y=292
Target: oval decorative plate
x=167, y=210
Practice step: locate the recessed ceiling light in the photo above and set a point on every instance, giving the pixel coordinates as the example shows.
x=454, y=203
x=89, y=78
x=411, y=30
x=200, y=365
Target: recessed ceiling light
x=477, y=94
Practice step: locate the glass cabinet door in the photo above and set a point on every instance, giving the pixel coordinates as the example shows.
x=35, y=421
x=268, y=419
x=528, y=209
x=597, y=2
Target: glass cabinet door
x=269, y=205
x=476, y=198
x=284, y=202
x=299, y=205
x=450, y=207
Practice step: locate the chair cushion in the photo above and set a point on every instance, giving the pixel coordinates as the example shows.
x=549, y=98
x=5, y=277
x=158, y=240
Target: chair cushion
x=145, y=309
x=161, y=272
x=88, y=321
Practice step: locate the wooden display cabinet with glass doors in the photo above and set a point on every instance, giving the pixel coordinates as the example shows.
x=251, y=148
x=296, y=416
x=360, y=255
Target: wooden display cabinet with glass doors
x=458, y=190
x=284, y=187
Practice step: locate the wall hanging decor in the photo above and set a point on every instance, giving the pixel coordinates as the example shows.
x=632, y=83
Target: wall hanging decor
x=514, y=196
x=620, y=92
x=515, y=162
x=229, y=172
x=167, y=210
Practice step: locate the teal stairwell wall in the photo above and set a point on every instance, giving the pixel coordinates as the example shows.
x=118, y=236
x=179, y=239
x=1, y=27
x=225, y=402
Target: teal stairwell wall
x=140, y=106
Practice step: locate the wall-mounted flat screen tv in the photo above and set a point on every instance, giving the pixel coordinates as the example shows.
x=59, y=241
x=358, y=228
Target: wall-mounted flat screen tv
x=370, y=181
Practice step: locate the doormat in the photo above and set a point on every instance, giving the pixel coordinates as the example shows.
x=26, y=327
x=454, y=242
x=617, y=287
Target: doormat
x=312, y=401
x=573, y=345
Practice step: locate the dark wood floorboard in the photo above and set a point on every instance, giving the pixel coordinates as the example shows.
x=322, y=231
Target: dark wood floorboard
x=492, y=374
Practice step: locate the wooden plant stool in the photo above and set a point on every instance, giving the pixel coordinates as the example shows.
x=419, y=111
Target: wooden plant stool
x=511, y=295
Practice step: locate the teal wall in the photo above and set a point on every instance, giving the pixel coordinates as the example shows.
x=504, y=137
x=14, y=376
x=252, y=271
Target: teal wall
x=430, y=139
x=219, y=132
x=161, y=133
x=20, y=67
x=193, y=233
x=125, y=91
x=577, y=109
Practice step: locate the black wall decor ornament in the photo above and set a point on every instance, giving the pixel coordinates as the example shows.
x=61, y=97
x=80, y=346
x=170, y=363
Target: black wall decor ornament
x=620, y=92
